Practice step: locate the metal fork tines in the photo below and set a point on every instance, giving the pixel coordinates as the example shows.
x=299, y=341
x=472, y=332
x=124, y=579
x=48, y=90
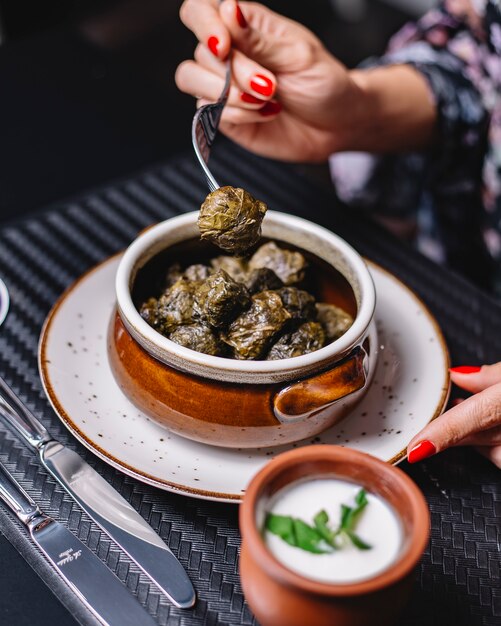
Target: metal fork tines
x=204, y=128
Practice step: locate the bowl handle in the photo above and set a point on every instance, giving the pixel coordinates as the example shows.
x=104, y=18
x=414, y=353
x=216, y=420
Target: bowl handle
x=309, y=396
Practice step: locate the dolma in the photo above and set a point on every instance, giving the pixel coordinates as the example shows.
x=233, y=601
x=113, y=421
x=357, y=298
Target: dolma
x=299, y=303
x=197, y=337
x=251, y=333
x=262, y=279
x=289, y=266
x=174, y=307
x=173, y=274
x=196, y=272
x=234, y=266
x=244, y=309
x=219, y=299
x=309, y=337
x=231, y=219
x=149, y=313
x=334, y=320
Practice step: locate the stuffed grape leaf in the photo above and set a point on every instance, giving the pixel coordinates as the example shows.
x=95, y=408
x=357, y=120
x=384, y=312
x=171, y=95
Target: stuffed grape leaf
x=219, y=299
x=299, y=303
x=288, y=265
x=231, y=219
x=197, y=272
x=251, y=332
x=197, y=337
x=309, y=337
x=172, y=309
x=334, y=320
x=235, y=308
x=262, y=279
x=234, y=266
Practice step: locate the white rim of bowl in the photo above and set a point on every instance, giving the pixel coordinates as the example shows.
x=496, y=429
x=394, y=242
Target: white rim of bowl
x=341, y=346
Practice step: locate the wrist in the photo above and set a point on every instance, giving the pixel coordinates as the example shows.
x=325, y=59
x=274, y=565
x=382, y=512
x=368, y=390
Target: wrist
x=391, y=109
x=351, y=113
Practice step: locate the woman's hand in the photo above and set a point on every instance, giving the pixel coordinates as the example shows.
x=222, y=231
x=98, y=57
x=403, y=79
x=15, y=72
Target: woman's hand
x=472, y=422
x=289, y=99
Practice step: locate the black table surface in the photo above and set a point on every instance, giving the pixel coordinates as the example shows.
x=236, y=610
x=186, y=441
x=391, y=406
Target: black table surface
x=459, y=578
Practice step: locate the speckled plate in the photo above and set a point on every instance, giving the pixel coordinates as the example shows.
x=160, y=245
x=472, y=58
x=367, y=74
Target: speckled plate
x=410, y=387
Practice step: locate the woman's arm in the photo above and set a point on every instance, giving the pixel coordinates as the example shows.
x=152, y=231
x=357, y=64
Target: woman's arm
x=290, y=98
x=395, y=113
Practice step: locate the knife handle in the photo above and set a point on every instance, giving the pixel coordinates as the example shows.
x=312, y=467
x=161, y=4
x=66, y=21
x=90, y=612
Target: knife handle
x=17, y=415
x=16, y=497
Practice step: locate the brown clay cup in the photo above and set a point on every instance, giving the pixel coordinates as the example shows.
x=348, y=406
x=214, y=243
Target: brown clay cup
x=242, y=404
x=280, y=597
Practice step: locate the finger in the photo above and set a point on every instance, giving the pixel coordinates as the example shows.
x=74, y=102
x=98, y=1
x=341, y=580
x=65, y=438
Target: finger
x=493, y=453
x=475, y=379
x=237, y=116
x=205, y=58
x=479, y=412
x=195, y=80
x=202, y=17
x=273, y=40
x=250, y=77
x=489, y=437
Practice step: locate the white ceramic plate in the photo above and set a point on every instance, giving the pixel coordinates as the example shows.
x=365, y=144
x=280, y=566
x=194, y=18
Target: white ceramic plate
x=410, y=388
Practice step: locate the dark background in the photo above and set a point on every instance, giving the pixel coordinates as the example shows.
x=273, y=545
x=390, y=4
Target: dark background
x=86, y=95
x=87, y=90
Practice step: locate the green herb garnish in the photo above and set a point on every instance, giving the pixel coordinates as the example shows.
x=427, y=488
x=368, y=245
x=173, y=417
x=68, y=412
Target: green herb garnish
x=296, y=533
x=320, y=520
x=320, y=538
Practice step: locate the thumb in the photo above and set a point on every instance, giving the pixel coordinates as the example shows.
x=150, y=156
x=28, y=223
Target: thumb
x=475, y=379
x=478, y=413
x=272, y=40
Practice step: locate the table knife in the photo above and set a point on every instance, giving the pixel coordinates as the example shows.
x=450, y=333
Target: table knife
x=112, y=513
x=100, y=590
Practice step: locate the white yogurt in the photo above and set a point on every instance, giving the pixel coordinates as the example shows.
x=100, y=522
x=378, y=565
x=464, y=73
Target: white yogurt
x=378, y=526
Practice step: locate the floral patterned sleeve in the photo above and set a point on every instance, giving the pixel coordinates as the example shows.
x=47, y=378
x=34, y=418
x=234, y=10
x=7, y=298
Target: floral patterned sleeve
x=457, y=48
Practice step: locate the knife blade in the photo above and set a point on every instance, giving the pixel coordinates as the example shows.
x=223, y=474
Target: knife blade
x=112, y=513
x=98, y=588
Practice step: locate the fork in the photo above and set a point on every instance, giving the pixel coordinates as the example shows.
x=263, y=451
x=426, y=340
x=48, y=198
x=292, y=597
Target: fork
x=204, y=128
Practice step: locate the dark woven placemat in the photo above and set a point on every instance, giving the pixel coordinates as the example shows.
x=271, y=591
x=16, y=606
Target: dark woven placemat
x=459, y=579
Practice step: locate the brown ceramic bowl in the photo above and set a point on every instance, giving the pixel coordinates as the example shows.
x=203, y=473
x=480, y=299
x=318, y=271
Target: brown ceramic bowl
x=243, y=404
x=280, y=597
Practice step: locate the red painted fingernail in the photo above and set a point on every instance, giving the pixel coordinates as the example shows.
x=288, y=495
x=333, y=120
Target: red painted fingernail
x=261, y=84
x=466, y=369
x=423, y=450
x=242, y=22
x=271, y=108
x=247, y=97
x=212, y=44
